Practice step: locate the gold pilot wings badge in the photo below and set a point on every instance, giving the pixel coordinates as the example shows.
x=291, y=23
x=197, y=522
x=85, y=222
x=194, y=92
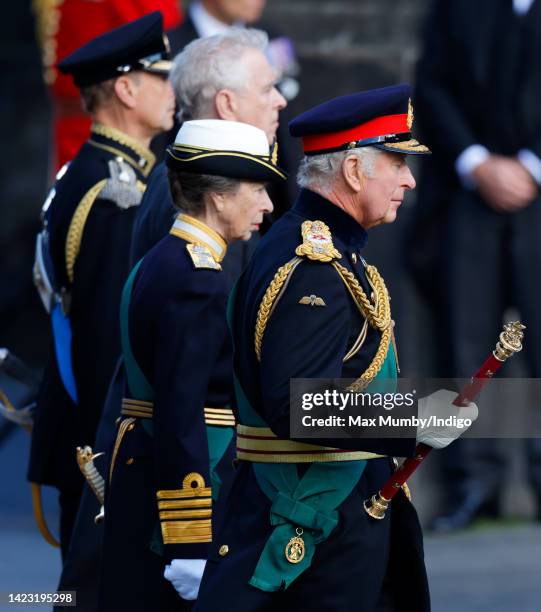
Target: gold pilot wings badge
x=202, y=257
x=312, y=300
x=317, y=242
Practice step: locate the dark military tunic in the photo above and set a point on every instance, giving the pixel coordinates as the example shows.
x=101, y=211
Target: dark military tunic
x=159, y=505
x=363, y=561
x=89, y=224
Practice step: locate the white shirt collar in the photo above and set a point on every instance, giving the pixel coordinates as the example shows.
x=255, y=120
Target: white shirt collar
x=206, y=24
x=521, y=7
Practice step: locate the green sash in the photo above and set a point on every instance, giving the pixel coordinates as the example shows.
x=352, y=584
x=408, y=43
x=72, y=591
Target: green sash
x=308, y=503
x=218, y=437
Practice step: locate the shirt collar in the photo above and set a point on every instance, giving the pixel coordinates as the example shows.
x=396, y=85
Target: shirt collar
x=196, y=232
x=312, y=206
x=205, y=24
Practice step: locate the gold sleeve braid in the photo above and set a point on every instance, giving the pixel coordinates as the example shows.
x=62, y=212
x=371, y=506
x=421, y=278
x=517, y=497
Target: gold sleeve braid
x=77, y=225
x=185, y=513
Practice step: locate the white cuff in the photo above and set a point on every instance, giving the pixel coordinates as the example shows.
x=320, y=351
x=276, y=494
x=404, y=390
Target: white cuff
x=531, y=162
x=467, y=161
x=521, y=7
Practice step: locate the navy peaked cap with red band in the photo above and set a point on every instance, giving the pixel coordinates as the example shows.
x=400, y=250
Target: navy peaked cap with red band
x=380, y=118
x=138, y=45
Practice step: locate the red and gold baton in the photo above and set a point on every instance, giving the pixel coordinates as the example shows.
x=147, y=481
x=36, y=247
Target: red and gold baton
x=510, y=342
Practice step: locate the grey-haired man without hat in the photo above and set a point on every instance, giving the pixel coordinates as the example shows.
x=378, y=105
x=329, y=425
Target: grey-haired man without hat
x=225, y=76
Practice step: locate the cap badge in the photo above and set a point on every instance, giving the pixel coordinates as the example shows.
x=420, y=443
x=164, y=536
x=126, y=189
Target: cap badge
x=274, y=154
x=166, y=43
x=410, y=115
x=317, y=242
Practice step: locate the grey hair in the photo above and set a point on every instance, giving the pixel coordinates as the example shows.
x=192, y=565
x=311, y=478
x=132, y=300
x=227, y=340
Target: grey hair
x=207, y=65
x=188, y=189
x=320, y=170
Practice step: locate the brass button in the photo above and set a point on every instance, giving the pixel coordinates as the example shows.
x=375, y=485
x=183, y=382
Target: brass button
x=354, y=258
x=224, y=549
x=130, y=461
x=130, y=426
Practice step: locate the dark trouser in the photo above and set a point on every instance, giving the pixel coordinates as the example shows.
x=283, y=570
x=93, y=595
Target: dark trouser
x=492, y=262
x=364, y=566
x=69, y=503
x=81, y=569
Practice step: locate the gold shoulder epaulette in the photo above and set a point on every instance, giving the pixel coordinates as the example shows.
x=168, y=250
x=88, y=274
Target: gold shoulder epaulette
x=317, y=242
x=202, y=257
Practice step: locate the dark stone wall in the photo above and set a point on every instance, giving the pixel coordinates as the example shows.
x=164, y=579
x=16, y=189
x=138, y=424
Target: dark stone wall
x=347, y=46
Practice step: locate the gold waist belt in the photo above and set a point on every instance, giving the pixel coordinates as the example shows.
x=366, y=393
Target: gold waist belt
x=143, y=410
x=259, y=444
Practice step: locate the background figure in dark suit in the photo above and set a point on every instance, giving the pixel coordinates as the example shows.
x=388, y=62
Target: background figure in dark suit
x=478, y=88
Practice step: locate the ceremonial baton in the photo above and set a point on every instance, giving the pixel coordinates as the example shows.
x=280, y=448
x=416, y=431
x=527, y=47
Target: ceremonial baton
x=510, y=342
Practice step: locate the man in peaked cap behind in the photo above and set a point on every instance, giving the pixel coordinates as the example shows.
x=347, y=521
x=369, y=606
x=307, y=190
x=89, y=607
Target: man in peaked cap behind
x=295, y=535
x=82, y=252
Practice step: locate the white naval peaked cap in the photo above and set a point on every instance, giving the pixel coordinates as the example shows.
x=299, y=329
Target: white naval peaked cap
x=222, y=135
x=224, y=148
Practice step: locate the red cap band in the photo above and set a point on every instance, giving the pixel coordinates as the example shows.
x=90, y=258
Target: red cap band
x=380, y=126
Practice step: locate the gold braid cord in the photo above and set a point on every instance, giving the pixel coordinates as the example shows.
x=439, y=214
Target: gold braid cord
x=40, y=517
x=77, y=225
x=317, y=245
x=378, y=315
x=267, y=303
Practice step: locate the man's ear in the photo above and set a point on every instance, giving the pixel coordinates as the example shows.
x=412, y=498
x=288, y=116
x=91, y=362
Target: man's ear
x=352, y=173
x=126, y=90
x=225, y=103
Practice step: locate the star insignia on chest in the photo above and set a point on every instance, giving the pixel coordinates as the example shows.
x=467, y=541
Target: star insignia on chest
x=312, y=300
x=202, y=257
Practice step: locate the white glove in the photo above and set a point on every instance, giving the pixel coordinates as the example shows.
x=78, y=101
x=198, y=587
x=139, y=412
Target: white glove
x=440, y=405
x=185, y=575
